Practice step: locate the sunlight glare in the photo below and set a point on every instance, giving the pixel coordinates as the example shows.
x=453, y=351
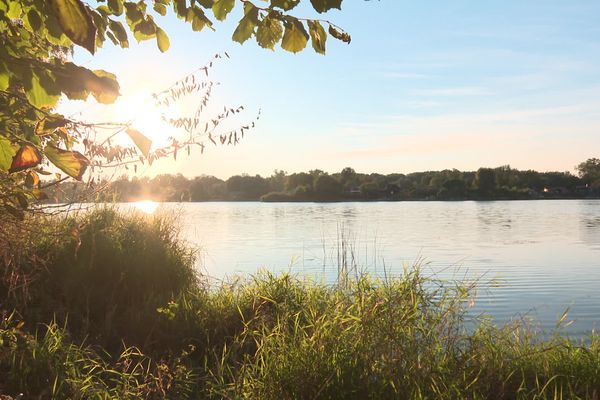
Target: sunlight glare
x=146, y=206
x=145, y=117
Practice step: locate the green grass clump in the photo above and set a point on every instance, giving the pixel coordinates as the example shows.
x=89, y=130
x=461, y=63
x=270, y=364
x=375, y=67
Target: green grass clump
x=114, y=309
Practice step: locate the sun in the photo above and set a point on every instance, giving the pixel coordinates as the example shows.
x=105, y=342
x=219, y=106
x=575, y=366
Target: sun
x=140, y=111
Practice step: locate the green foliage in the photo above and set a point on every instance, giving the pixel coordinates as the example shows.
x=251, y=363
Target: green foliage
x=123, y=280
x=589, y=170
x=37, y=38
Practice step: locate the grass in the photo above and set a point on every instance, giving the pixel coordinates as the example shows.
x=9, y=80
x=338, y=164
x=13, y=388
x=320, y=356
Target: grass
x=114, y=310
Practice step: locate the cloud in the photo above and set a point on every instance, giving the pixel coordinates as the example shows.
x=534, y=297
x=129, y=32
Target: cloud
x=453, y=91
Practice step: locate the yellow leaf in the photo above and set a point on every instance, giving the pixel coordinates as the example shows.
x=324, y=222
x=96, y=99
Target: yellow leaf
x=27, y=156
x=73, y=163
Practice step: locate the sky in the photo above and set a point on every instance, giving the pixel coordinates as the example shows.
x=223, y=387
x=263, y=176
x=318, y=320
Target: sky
x=426, y=85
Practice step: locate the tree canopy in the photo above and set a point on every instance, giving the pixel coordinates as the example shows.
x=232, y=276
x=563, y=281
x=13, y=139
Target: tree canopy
x=37, y=39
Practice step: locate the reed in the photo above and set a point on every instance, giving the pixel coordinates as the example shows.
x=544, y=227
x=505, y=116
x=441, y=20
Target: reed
x=118, y=312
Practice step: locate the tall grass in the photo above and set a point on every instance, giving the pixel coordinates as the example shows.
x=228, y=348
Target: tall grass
x=116, y=311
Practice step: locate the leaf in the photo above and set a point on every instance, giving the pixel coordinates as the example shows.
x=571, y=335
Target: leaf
x=7, y=152
x=221, y=8
x=343, y=36
x=318, y=36
x=269, y=32
x=38, y=93
x=286, y=5
x=295, y=37
x=162, y=40
x=34, y=20
x=160, y=8
x=27, y=156
x=76, y=21
x=32, y=180
x=119, y=32
x=104, y=86
x=141, y=141
x=4, y=76
x=72, y=163
x=116, y=6
x=322, y=6
x=247, y=24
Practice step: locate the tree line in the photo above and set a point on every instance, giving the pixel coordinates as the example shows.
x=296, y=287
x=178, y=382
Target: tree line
x=450, y=184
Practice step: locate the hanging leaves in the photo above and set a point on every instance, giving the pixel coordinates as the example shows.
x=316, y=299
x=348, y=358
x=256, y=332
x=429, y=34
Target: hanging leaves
x=141, y=141
x=247, y=24
x=222, y=7
x=318, y=36
x=295, y=37
x=322, y=6
x=75, y=20
x=162, y=40
x=343, y=36
x=72, y=163
x=269, y=32
x=285, y=5
x=28, y=156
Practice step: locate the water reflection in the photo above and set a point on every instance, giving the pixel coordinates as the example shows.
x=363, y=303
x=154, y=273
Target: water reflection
x=146, y=206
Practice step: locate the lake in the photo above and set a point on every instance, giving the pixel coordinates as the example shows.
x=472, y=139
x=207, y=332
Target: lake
x=533, y=259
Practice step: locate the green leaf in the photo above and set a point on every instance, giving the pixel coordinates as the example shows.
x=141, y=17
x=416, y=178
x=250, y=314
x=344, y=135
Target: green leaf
x=295, y=37
x=162, y=40
x=318, y=36
x=76, y=21
x=141, y=141
x=222, y=7
x=116, y=6
x=4, y=76
x=72, y=163
x=247, y=24
x=285, y=4
x=322, y=6
x=39, y=94
x=269, y=32
x=7, y=152
x=14, y=9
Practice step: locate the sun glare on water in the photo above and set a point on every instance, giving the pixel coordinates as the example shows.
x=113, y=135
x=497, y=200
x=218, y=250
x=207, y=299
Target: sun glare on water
x=146, y=206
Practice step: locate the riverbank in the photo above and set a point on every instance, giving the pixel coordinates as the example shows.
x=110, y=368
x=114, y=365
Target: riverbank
x=110, y=306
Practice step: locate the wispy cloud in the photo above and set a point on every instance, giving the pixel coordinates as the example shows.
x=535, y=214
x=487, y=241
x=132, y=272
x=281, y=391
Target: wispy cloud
x=453, y=91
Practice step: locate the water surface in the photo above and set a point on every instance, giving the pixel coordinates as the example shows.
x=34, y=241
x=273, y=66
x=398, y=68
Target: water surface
x=533, y=258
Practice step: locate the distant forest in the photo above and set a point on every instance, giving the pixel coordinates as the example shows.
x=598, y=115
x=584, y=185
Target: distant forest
x=348, y=185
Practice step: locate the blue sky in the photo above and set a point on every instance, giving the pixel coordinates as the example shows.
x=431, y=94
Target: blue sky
x=423, y=86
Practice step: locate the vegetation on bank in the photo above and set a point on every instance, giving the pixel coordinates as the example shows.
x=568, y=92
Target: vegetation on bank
x=484, y=184
x=114, y=309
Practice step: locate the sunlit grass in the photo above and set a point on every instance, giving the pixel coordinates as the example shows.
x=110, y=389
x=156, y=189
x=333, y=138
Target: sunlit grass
x=117, y=312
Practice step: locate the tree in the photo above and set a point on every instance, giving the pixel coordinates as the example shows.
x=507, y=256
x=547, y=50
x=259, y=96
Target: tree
x=589, y=170
x=326, y=187
x=485, y=180
x=37, y=38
